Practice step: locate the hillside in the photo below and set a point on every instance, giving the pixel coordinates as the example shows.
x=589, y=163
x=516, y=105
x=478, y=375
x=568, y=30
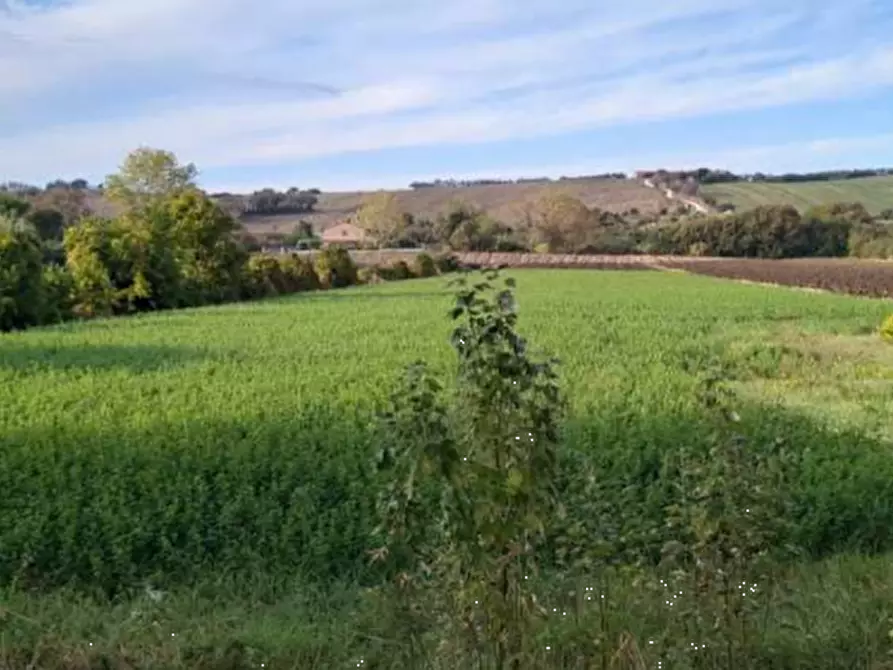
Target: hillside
x=875, y=193
x=504, y=202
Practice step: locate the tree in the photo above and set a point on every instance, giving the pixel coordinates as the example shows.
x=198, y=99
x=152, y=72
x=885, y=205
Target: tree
x=13, y=207
x=49, y=223
x=22, y=296
x=147, y=175
x=271, y=201
x=335, y=268
x=560, y=221
x=382, y=217
x=209, y=257
x=86, y=255
x=124, y=265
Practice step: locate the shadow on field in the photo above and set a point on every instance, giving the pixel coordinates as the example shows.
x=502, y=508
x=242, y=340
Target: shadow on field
x=110, y=505
x=294, y=494
x=87, y=357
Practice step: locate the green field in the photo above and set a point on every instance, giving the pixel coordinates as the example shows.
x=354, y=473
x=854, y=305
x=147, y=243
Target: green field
x=875, y=193
x=222, y=456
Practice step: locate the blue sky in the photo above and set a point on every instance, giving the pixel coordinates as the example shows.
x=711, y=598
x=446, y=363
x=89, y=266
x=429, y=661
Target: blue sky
x=349, y=94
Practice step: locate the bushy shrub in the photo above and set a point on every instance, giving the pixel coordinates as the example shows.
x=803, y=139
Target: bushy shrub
x=446, y=263
x=424, y=266
x=263, y=277
x=369, y=275
x=397, y=271
x=21, y=275
x=298, y=274
x=873, y=240
x=335, y=268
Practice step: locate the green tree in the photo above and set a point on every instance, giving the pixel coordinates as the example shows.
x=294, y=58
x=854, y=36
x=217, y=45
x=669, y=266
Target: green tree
x=13, y=207
x=147, y=175
x=209, y=257
x=335, y=268
x=22, y=298
x=86, y=256
x=124, y=265
x=49, y=223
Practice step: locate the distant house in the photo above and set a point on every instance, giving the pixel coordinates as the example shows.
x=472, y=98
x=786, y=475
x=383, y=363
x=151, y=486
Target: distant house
x=347, y=235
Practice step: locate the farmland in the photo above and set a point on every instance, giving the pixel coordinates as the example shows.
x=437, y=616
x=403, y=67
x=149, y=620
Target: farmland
x=875, y=193
x=863, y=278
x=220, y=456
x=504, y=202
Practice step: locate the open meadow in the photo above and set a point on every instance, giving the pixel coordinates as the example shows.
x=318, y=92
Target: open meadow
x=193, y=488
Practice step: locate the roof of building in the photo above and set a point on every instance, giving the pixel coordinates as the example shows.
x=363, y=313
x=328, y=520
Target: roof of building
x=344, y=231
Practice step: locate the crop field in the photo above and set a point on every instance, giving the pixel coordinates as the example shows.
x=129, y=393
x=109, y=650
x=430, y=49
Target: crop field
x=193, y=488
x=505, y=202
x=870, y=278
x=876, y=193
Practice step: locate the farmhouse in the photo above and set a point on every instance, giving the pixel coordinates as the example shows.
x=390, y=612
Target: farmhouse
x=347, y=235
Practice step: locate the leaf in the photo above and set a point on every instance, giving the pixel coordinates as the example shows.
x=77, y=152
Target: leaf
x=515, y=481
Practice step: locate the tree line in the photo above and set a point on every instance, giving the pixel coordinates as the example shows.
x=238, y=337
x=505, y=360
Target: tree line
x=269, y=201
x=170, y=246
x=560, y=223
x=465, y=183
x=711, y=176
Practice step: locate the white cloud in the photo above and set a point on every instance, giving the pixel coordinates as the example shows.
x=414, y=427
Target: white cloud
x=413, y=73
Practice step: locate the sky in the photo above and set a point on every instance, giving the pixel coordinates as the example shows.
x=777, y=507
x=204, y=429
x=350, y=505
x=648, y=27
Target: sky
x=365, y=94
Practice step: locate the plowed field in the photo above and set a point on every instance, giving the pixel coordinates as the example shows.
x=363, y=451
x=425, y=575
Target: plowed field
x=865, y=278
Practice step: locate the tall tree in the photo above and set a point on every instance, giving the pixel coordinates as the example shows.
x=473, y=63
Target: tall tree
x=147, y=175
x=382, y=217
x=21, y=274
x=560, y=222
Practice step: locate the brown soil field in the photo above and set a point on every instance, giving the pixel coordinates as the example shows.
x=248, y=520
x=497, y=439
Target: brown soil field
x=505, y=202
x=868, y=278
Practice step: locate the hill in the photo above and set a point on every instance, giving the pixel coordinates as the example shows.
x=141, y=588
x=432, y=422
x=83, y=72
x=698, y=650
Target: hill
x=875, y=193
x=505, y=202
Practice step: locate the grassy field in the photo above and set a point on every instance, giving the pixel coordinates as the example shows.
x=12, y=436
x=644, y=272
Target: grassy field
x=221, y=456
x=876, y=193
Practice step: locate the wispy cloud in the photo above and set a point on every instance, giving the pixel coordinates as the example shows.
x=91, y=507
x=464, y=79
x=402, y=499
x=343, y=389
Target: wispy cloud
x=228, y=83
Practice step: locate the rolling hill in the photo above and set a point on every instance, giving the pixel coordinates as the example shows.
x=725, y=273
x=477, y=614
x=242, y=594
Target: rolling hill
x=505, y=202
x=875, y=193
